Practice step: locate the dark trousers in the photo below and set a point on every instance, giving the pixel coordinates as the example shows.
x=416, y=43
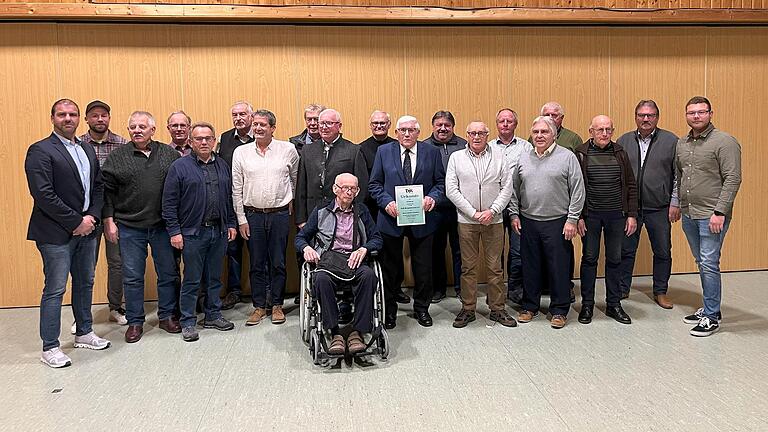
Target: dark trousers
x=611, y=225
x=447, y=232
x=363, y=288
x=544, y=252
x=202, y=255
x=514, y=262
x=235, y=264
x=421, y=265
x=114, y=270
x=660, y=234
x=267, y=244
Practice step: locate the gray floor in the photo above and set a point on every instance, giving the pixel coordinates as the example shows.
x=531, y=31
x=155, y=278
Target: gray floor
x=648, y=376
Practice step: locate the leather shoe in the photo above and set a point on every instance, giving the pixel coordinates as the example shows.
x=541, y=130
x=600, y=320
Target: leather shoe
x=438, y=297
x=133, y=334
x=170, y=325
x=586, y=314
x=424, y=319
x=402, y=297
x=390, y=322
x=617, y=313
x=663, y=301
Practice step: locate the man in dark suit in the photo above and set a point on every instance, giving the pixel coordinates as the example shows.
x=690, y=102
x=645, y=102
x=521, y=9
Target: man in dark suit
x=321, y=162
x=64, y=180
x=407, y=162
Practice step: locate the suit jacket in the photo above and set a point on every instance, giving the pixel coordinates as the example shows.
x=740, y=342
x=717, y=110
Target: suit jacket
x=58, y=193
x=343, y=157
x=388, y=173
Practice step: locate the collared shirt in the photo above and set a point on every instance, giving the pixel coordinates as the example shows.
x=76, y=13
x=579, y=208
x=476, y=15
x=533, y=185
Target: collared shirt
x=247, y=138
x=104, y=148
x=75, y=149
x=184, y=150
x=708, y=170
x=263, y=180
x=344, y=224
x=211, y=179
x=413, y=158
x=547, y=152
x=645, y=144
x=511, y=151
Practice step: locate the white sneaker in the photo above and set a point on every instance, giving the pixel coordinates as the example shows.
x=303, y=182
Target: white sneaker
x=118, y=317
x=73, y=330
x=55, y=358
x=91, y=341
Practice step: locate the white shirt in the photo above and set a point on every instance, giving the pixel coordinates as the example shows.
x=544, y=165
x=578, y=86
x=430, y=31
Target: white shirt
x=644, y=144
x=511, y=151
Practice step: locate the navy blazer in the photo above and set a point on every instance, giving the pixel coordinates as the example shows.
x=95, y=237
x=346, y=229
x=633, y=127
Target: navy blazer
x=57, y=191
x=388, y=173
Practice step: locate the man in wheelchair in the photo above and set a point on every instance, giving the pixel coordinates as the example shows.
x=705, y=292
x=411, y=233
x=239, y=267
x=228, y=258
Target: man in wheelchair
x=337, y=238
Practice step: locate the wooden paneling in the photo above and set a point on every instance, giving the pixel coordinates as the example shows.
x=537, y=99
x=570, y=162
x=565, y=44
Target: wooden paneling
x=472, y=71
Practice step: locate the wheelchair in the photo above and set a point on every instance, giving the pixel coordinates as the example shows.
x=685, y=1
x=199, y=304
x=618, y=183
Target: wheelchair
x=311, y=323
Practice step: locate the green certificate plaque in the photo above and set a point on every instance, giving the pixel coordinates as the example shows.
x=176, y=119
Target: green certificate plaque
x=410, y=201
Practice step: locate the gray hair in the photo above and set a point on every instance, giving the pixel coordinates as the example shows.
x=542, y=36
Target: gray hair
x=313, y=107
x=247, y=105
x=381, y=112
x=150, y=117
x=331, y=111
x=189, y=119
x=548, y=121
x=553, y=105
x=202, y=125
x=407, y=118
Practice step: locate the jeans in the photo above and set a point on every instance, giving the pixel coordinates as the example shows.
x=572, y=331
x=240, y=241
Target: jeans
x=235, y=264
x=267, y=244
x=77, y=257
x=114, y=270
x=133, y=249
x=660, y=234
x=202, y=254
x=611, y=225
x=514, y=262
x=705, y=246
x=447, y=233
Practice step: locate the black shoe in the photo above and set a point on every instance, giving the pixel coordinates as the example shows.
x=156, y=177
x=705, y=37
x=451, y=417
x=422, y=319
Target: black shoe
x=617, y=313
x=402, y=297
x=573, y=296
x=390, y=322
x=424, y=319
x=297, y=299
x=585, y=316
x=230, y=300
x=438, y=297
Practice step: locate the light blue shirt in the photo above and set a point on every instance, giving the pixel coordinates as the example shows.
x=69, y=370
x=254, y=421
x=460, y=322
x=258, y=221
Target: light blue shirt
x=75, y=149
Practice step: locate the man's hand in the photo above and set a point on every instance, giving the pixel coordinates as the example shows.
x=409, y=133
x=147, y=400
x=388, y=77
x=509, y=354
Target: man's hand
x=310, y=255
x=231, y=234
x=356, y=258
x=630, y=226
x=716, y=224
x=429, y=203
x=245, y=231
x=484, y=217
x=177, y=241
x=110, y=230
x=391, y=209
x=301, y=225
x=569, y=230
x=86, y=226
x=581, y=228
x=674, y=214
x=516, y=225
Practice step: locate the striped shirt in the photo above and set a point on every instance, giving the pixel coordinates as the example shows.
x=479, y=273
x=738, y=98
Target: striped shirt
x=603, y=179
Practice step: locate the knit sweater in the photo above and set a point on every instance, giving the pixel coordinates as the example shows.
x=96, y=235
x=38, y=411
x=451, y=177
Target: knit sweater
x=548, y=188
x=478, y=183
x=133, y=184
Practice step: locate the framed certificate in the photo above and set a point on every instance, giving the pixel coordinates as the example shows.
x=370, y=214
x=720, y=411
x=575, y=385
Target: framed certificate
x=410, y=201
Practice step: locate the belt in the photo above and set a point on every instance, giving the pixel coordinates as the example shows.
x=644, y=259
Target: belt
x=249, y=209
x=211, y=223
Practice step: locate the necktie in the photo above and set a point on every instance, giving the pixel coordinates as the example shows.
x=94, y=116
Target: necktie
x=407, y=167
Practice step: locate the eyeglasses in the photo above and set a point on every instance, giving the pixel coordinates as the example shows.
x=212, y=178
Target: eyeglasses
x=203, y=139
x=699, y=113
x=328, y=123
x=348, y=189
x=603, y=131
x=477, y=133
x=406, y=131
x=650, y=116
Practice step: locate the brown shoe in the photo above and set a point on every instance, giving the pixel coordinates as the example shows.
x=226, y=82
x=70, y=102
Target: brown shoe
x=278, y=316
x=355, y=343
x=663, y=301
x=526, y=316
x=134, y=332
x=464, y=317
x=558, y=321
x=257, y=315
x=502, y=317
x=170, y=325
x=337, y=345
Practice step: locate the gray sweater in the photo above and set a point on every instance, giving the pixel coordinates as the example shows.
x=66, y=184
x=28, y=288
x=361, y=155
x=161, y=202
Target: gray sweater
x=478, y=183
x=547, y=188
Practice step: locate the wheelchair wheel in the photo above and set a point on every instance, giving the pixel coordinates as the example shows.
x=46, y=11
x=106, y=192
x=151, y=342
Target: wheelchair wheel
x=383, y=344
x=314, y=347
x=304, y=326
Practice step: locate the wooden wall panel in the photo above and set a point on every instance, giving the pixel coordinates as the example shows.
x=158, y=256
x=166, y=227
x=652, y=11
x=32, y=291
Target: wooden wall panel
x=472, y=71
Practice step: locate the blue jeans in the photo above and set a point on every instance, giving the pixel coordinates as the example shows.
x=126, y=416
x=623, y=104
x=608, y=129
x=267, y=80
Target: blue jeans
x=660, y=234
x=611, y=226
x=77, y=257
x=706, y=247
x=133, y=249
x=514, y=262
x=267, y=245
x=202, y=255
x=235, y=265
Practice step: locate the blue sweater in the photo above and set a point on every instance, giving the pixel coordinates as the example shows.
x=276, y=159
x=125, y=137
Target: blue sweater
x=184, y=196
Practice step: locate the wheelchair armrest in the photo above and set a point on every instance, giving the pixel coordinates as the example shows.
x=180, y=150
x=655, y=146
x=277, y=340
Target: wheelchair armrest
x=374, y=253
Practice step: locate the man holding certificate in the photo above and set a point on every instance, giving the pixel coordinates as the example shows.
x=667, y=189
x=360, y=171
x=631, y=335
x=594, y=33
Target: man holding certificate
x=407, y=180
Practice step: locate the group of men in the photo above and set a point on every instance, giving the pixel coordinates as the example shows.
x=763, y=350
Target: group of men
x=200, y=199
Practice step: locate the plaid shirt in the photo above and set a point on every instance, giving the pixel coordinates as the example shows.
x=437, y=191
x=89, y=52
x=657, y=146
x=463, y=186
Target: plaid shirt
x=104, y=148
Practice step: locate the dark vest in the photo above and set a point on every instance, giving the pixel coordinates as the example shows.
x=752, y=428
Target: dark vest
x=228, y=145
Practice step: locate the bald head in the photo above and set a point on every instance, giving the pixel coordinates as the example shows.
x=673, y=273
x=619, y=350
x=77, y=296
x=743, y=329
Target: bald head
x=601, y=130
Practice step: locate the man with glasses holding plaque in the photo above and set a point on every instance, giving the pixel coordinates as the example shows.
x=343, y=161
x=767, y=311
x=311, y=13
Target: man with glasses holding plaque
x=415, y=166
